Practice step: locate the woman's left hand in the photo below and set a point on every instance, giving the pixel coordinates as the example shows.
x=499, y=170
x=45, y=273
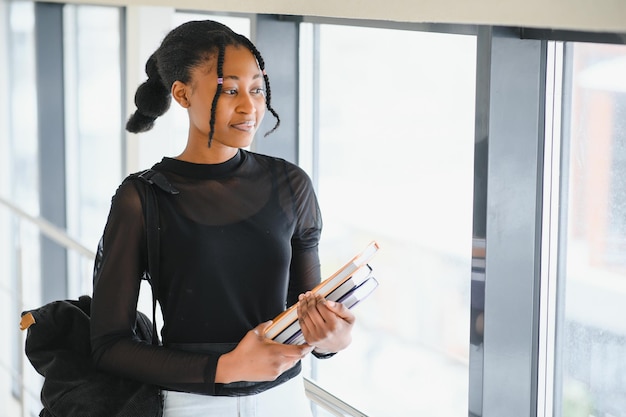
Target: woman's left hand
x=327, y=325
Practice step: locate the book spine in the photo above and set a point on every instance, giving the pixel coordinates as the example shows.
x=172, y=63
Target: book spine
x=359, y=293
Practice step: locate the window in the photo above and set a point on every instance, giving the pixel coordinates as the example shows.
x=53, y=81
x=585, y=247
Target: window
x=93, y=127
x=395, y=164
x=591, y=335
x=23, y=105
x=19, y=182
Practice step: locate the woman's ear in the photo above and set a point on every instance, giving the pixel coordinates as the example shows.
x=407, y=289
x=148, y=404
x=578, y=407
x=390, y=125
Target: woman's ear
x=179, y=92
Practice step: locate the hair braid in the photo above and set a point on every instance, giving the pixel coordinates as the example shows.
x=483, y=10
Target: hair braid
x=218, y=91
x=268, y=90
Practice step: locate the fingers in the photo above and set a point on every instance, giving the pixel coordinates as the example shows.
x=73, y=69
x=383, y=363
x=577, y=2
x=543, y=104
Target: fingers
x=288, y=351
x=301, y=350
x=316, y=320
x=341, y=310
x=321, y=310
x=311, y=310
x=291, y=351
x=257, y=358
x=325, y=324
x=284, y=357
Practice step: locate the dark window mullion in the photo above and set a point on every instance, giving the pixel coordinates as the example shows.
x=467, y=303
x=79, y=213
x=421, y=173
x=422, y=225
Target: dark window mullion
x=278, y=42
x=515, y=99
x=51, y=143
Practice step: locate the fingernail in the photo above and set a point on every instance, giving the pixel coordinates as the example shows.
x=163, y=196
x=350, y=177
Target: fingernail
x=330, y=303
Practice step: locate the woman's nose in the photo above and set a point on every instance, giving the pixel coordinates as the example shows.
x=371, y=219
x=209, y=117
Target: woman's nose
x=246, y=103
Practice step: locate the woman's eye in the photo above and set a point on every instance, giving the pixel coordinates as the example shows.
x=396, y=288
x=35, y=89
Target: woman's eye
x=234, y=91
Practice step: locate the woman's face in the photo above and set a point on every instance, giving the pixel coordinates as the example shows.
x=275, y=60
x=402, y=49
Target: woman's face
x=240, y=106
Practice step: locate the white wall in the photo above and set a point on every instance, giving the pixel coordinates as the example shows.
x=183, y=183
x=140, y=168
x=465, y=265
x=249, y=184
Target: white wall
x=587, y=15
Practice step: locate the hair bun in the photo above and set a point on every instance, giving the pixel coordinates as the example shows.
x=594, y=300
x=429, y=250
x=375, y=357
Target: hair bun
x=139, y=122
x=151, y=68
x=152, y=98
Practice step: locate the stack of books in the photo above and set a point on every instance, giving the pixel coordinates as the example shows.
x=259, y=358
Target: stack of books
x=351, y=284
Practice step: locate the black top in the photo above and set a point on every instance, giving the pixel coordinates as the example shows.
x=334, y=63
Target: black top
x=238, y=244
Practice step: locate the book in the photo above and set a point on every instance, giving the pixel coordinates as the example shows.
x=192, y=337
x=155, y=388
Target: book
x=338, y=294
x=359, y=293
x=293, y=334
x=356, y=279
x=285, y=326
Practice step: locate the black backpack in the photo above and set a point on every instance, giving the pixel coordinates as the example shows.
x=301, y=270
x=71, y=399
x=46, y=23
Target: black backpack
x=59, y=348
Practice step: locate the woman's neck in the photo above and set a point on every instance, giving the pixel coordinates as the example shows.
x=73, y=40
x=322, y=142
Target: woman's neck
x=205, y=155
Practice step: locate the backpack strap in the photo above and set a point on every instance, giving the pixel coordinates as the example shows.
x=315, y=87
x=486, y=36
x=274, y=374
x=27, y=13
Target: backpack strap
x=151, y=178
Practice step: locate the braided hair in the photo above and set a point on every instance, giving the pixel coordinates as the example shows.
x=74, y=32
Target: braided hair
x=186, y=47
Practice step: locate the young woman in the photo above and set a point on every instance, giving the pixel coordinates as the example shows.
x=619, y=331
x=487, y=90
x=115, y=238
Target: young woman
x=239, y=243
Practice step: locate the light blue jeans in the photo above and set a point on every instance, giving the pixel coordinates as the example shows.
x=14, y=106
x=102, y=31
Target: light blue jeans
x=285, y=400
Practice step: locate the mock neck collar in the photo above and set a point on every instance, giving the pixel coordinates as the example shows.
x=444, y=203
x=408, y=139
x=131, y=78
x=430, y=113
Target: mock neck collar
x=202, y=171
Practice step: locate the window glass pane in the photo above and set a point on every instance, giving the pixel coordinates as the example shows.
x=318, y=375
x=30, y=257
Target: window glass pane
x=396, y=140
x=591, y=352
x=93, y=113
x=19, y=240
x=22, y=147
x=23, y=108
x=236, y=23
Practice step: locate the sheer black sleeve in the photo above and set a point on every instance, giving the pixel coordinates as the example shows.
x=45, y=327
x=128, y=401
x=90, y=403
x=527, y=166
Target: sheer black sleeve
x=305, y=263
x=115, y=294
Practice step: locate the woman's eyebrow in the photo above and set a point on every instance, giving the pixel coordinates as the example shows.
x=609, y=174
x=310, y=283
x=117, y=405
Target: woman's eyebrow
x=236, y=78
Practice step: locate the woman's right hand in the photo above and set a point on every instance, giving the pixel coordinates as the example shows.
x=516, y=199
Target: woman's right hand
x=257, y=358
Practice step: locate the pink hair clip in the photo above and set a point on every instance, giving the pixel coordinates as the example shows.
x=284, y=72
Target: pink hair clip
x=263, y=71
x=220, y=80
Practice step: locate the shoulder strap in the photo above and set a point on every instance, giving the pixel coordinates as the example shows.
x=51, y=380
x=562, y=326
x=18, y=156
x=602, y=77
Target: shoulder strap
x=151, y=177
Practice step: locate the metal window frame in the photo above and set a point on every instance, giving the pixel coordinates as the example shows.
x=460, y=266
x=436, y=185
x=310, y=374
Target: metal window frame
x=510, y=91
x=279, y=41
x=51, y=143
